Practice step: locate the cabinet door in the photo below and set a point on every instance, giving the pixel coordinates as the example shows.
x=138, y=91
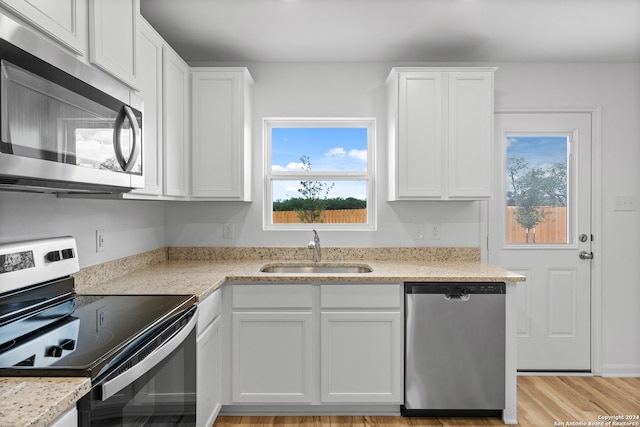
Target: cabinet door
x=272, y=354
x=113, y=37
x=221, y=134
x=361, y=357
x=63, y=20
x=420, y=134
x=208, y=368
x=470, y=117
x=175, y=87
x=150, y=70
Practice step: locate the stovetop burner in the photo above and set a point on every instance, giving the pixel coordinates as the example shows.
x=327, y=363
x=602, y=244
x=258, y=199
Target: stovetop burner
x=46, y=330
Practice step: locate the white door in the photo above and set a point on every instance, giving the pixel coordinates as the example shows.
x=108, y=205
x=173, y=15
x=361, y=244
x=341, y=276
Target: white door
x=540, y=227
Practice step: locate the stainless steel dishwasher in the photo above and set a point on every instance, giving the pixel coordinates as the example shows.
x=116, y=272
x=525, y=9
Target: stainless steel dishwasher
x=454, y=349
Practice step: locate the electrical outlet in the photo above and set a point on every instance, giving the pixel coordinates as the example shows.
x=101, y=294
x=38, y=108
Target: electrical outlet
x=227, y=230
x=101, y=318
x=435, y=231
x=419, y=232
x=625, y=203
x=101, y=243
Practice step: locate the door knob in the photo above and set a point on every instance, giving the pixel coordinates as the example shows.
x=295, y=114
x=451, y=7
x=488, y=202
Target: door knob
x=585, y=255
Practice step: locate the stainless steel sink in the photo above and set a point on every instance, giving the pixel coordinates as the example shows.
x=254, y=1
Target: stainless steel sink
x=319, y=269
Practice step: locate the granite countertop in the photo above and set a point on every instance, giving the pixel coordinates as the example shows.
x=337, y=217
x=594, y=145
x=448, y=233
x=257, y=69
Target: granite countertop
x=201, y=271
x=35, y=402
x=202, y=278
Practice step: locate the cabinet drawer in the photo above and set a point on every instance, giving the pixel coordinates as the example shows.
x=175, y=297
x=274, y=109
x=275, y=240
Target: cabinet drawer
x=272, y=296
x=361, y=296
x=208, y=310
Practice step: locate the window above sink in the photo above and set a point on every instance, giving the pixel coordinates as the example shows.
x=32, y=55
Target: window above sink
x=319, y=173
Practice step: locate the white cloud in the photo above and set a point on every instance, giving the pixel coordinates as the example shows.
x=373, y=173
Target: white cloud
x=336, y=152
x=358, y=155
x=293, y=166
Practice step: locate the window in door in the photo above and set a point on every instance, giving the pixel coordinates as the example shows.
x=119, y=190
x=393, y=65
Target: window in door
x=538, y=191
x=319, y=174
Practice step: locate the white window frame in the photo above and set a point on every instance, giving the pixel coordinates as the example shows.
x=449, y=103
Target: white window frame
x=312, y=122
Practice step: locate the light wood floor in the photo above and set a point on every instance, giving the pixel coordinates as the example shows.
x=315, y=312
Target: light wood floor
x=542, y=402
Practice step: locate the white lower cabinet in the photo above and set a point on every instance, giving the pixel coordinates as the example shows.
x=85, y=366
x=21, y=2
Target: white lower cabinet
x=272, y=357
x=361, y=357
x=208, y=364
x=361, y=343
x=272, y=339
x=317, y=343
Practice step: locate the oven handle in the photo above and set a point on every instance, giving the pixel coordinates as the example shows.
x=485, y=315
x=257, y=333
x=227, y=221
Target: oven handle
x=111, y=387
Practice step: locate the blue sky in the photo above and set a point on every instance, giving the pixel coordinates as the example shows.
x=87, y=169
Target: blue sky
x=329, y=149
x=540, y=151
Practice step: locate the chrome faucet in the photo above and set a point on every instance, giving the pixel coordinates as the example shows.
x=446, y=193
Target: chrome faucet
x=315, y=246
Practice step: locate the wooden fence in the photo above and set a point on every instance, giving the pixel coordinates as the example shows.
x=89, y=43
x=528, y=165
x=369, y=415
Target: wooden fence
x=338, y=216
x=552, y=230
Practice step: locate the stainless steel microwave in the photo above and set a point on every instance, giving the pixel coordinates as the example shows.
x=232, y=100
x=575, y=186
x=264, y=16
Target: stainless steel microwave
x=64, y=127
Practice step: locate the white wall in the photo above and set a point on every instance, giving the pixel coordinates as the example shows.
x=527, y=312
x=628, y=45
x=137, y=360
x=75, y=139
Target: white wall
x=131, y=227
x=321, y=90
x=615, y=88
x=357, y=90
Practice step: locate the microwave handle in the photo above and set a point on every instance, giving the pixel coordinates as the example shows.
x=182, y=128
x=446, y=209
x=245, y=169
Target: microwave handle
x=126, y=165
x=114, y=385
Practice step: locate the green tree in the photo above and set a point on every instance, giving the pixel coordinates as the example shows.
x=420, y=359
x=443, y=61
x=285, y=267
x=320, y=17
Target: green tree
x=532, y=188
x=314, y=195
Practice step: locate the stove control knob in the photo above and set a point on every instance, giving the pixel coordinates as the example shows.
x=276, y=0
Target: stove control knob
x=53, y=256
x=53, y=351
x=68, y=344
x=67, y=254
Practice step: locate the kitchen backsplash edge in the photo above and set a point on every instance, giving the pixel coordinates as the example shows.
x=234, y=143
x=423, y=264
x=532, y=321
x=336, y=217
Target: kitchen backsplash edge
x=219, y=253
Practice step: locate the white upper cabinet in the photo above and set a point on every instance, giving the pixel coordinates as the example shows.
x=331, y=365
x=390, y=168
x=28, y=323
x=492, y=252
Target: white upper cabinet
x=175, y=101
x=113, y=37
x=149, y=65
x=65, y=21
x=440, y=129
x=221, y=133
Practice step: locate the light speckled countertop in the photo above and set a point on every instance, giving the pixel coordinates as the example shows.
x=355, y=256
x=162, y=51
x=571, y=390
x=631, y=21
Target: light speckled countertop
x=202, y=278
x=35, y=402
x=200, y=271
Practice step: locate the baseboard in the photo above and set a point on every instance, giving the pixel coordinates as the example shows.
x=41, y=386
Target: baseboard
x=621, y=370
x=310, y=410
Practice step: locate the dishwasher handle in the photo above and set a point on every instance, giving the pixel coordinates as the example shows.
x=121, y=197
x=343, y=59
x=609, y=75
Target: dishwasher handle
x=457, y=297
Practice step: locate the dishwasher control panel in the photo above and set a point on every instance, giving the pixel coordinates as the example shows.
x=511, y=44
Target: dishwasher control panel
x=458, y=288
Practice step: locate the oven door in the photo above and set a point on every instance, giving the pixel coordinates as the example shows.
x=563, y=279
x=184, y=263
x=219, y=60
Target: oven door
x=154, y=385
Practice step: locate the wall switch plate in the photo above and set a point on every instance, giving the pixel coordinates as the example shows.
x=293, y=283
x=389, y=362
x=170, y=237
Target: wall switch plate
x=435, y=231
x=101, y=243
x=227, y=230
x=625, y=203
